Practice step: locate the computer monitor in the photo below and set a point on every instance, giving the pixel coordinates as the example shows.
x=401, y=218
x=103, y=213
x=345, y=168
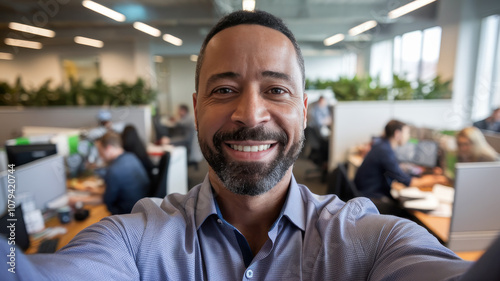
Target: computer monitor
x=493, y=139
x=475, y=223
x=26, y=153
x=43, y=179
x=423, y=153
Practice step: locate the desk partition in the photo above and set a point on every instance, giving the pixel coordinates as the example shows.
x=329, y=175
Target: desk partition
x=475, y=222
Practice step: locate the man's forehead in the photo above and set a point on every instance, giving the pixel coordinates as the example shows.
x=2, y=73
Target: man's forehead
x=246, y=31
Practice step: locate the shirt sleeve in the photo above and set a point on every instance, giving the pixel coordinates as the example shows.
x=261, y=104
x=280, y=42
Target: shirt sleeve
x=399, y=249
x=103, y=251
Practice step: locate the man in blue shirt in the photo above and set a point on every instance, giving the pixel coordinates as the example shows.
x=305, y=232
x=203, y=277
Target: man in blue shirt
x=380, y=166
x=249, y=219
x=126, y=179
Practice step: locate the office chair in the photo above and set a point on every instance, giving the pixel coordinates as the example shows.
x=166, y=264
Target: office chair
x=159, y=186
x=318, y=154
x=160, y=130
x=340, y=185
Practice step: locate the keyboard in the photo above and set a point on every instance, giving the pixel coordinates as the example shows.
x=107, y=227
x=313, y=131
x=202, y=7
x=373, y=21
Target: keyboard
x=48, y=246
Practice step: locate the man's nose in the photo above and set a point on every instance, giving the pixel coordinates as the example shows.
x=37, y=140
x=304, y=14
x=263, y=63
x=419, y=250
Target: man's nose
x=251, y=109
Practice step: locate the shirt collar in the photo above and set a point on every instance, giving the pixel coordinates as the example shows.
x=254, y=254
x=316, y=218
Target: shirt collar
x=293, y=209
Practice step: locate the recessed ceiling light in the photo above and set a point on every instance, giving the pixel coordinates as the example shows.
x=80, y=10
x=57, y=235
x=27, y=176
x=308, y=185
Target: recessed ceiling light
x=172, y=40
x=32, y=29
x=147, y=29
x=362, y=27
x=89, y=42
x=105, y=11
x=23, y=43
x=333, y=39
x=410, y=7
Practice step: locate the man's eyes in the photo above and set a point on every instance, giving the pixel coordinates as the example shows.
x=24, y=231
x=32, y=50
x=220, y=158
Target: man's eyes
x=277, y=91
x=222, y=91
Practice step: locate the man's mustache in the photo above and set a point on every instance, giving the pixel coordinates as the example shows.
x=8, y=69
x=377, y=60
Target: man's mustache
x=245, y=134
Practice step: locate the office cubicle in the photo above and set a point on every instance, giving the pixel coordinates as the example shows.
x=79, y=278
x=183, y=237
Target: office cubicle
x=493, y=139
x=475, y=222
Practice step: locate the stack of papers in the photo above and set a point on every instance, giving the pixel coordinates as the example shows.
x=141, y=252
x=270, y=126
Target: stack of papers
x=439, y=202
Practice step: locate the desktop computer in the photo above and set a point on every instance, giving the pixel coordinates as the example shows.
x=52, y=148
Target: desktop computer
x=43, y=180
x=423, y=153
x=475, y=223
x=26, y=153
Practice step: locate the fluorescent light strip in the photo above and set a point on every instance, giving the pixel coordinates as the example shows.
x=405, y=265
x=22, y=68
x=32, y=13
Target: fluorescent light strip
x=333, y=39
x=147, y=29
x=248, y=5
x=31, y=29
x=6, y=56
x=193, y=58
x=410, y=7
x=172, y=40
x=105, y=11
x=89, y=42
x=23, y=43
x=362, y=27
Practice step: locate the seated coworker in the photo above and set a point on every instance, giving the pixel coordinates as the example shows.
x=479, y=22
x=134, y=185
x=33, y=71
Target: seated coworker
x=380, y=166
x=126, y=179
x=472, y=147
x=492, y=123
x=132, y=143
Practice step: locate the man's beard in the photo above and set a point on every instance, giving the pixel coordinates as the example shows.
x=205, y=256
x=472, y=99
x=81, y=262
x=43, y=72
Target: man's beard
x=250, y=178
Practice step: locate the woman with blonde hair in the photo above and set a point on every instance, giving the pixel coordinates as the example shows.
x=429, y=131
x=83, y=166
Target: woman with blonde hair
x=472, y=147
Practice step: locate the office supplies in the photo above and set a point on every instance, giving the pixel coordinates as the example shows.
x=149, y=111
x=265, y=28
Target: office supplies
x=48, y=246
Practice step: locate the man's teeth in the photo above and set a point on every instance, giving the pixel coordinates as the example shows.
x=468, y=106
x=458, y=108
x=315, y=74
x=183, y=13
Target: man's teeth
x=248, y=148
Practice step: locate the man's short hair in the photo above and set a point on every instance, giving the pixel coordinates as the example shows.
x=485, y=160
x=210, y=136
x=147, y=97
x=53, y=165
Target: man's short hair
x=184, y=107
x=247, y=17
x=391, y=128
x=110, y=139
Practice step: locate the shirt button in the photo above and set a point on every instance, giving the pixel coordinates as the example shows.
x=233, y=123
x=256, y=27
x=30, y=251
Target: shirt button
x=219, y=221
x=249, y=273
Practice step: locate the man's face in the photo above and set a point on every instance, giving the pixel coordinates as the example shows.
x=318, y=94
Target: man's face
x=404, y=135
x=496, y=115
x=250, y=108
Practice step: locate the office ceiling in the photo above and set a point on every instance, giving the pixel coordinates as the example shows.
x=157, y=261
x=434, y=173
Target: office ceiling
x=311, y=20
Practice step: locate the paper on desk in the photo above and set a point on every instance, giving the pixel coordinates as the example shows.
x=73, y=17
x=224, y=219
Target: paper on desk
x=443, y=210
x=444, y=194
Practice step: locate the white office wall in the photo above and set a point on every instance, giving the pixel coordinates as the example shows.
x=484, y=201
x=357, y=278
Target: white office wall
x=330, y=67
x=124, y=61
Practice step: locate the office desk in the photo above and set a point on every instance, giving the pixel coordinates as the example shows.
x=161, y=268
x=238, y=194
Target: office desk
x=438, y=226
x=96, y=213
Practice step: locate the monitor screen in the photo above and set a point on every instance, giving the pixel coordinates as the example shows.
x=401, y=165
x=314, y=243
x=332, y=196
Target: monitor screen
x=23, y=154
x=423, y=153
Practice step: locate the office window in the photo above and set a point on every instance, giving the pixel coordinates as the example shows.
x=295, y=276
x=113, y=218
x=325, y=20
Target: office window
x=416, y=54
x=487, y=88
x=381, y=61
x=430, y=53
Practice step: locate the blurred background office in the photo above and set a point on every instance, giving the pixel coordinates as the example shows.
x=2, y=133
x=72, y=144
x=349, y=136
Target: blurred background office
x=435, y=65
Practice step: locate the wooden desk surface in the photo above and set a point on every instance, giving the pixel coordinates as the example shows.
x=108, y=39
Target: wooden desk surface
x=96, y=213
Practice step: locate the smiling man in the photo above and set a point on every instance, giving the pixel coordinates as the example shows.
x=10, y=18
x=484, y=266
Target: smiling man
x=249, y=219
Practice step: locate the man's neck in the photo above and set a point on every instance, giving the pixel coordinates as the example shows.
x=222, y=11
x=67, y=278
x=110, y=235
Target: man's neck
x=394, y=143
x=253, y=216
x=116, y=153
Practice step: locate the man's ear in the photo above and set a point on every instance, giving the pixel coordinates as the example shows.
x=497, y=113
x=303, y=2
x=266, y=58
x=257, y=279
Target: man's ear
x=195, y=112
x=305, y=110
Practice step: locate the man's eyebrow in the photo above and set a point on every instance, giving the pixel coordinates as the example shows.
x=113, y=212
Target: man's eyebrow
x=222, y=75
x=278, y=75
